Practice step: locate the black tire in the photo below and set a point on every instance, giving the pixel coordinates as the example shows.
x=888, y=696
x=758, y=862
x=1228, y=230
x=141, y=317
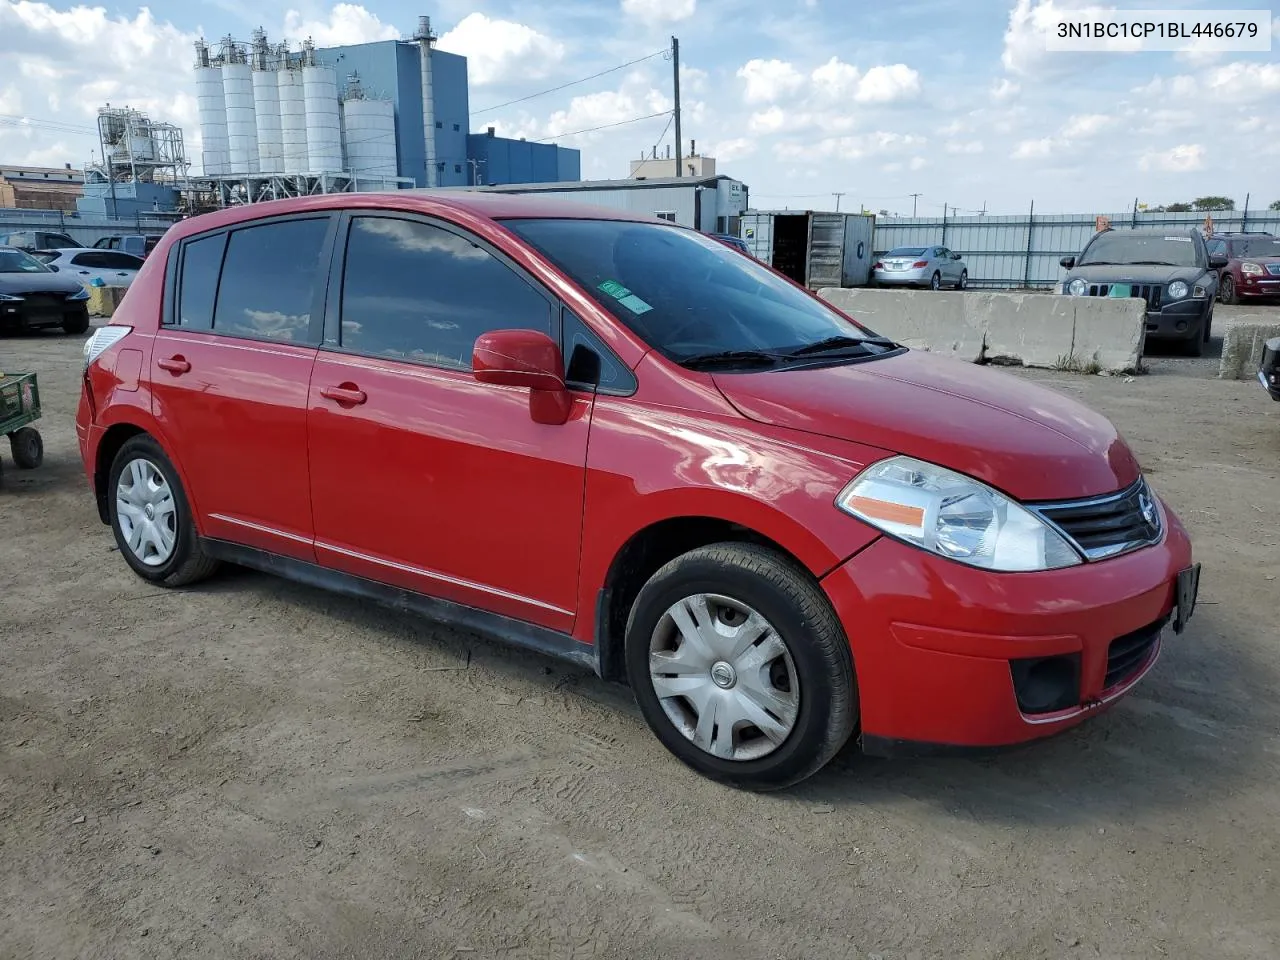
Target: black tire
x=188, y=563
x=1227, y=292
x=76, y=324
x=803, y=619
x=27, y=448
x=935, y=282
x=963, y=282
x=1208, y=323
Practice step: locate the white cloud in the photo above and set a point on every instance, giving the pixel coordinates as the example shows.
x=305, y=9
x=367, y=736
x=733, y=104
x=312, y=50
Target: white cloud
x=736, y=148
x=1086, y=125
x=918, y=163
x=769, y=120
x=60, y=65
x=1004, y=89
x=836, y=80
x=969, y=147
x=499, y=51
x=1184, y=158
x=347, y=23
x=656, y=12
x=1240, y=82
x=854, y=147
x=1034, y=149
x=1025, y=38
x=769, y=80
x=888, y=84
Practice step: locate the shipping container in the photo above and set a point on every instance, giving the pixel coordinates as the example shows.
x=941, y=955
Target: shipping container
x=811, y=247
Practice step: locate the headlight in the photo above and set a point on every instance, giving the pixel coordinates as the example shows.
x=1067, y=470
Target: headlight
x=1077, y=287
x=1178, y=289
x=81, y=294
x=103, y=338
x=1252, y=268
x=953, y=516
x=9, y=297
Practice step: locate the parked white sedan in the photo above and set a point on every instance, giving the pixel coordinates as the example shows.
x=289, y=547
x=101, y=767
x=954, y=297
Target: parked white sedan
x=934, y=267
x=113, y=268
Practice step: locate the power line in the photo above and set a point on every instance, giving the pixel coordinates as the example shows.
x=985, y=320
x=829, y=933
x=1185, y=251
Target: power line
x=571, y=83
x=604, y=126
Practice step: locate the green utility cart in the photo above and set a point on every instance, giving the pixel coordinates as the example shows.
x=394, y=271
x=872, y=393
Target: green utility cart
x=19, y=408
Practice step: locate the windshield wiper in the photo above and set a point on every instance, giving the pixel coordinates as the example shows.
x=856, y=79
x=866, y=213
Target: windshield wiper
x=1151, y=263
x=732, y=358
x=839, y=342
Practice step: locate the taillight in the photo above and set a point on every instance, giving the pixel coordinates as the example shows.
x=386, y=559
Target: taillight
x=103, y=338
x=878, y=265
x=920, y=263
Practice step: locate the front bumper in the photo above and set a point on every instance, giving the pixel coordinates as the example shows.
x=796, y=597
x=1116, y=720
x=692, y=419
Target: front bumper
x=37, y=313
x=1179, y=319
x=1258, y=285
x=933, y=641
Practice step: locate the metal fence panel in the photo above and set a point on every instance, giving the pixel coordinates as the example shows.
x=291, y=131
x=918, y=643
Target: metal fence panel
x=1015, y=251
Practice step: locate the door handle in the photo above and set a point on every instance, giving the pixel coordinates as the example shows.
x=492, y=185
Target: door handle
x=176, y=365
x=346, y=394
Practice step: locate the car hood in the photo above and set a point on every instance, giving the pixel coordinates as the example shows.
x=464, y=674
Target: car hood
x=1028, y=441
x=1136, y=273
x=37, y=283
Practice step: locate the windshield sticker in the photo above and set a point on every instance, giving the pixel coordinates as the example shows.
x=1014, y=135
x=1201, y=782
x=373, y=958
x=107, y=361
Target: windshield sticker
x=624, y=297
x=1179, y=239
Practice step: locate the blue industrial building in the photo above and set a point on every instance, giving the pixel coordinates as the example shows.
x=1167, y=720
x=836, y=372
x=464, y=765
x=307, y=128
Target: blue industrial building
x=393, y=69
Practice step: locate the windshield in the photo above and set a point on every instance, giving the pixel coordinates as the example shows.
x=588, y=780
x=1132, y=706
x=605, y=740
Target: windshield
x=15, y=261
x=691, y=298
x=906, y=252
x=1129, y=248
x=1256, y=247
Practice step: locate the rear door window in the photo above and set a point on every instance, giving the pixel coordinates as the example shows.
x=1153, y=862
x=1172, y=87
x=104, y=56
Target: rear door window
x=415, y=291
x=198, y=281
x=269, y=280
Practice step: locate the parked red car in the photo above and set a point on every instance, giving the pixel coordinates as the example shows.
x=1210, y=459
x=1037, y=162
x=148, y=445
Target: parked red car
x=1253, y=265
x=613, y=440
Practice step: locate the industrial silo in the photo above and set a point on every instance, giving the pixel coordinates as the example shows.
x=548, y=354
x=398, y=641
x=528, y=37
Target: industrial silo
x=242, y=123
x=293, y=120
x=211, y=102
x=266, y=105
x=369, y=132
x=324, y=127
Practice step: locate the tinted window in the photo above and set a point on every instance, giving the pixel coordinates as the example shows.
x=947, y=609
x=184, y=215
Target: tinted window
x=269, y=278
x=1256, y=247
x=687, y=295
x=1217, y=246
x=417, y=291
x=1141, y=248
x=588, y=362
x=201, y=260
x=16, y=261
x=906, y=252
x=119, y=261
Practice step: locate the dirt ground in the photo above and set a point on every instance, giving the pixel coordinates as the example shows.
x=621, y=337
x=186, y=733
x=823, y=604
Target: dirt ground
x=256, y=769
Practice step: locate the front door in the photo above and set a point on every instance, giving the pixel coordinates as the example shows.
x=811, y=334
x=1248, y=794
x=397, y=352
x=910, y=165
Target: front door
x=421, y=476
x=230, y=371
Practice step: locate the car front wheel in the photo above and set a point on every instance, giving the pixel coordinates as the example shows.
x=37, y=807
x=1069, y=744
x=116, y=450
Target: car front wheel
x=151, y=516
x=1227, y=292
x=741, y=667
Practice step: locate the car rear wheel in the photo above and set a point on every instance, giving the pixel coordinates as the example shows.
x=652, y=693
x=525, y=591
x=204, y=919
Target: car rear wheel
x=935, y=282
x=151, y=517
x=1227, y=292
x=741, y=667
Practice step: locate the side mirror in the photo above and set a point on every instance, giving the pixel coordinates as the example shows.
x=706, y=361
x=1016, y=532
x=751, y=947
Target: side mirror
x=525, y=358
x=1217, y=261
x=1068, y=262
x=955, y=256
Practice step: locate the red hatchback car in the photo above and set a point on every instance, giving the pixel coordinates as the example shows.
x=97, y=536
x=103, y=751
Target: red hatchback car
x=618, y=442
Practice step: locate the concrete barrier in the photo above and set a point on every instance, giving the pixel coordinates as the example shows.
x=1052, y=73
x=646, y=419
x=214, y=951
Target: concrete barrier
x=1242, y=345
x=103, y=301
x=1032, y=329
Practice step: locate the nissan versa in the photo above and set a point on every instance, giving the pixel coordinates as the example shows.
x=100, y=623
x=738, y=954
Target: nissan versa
x=617, y=441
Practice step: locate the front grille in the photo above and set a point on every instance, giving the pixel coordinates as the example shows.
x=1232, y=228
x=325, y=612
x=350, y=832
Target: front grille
x=1127, y=654
x=1107, y=526
x=1146, y=291
x=1273, y=269
x=44, y=306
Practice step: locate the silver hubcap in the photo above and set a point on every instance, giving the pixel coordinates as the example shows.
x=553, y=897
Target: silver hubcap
x=724, y=677
x=146, y=512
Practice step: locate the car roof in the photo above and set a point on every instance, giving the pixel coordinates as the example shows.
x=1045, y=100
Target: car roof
x=487, y=206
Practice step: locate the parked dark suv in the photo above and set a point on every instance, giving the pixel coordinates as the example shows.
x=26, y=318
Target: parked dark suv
x=1172, y=270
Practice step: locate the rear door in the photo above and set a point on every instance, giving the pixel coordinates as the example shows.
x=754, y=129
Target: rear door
x=230, y=371
x=421, y=476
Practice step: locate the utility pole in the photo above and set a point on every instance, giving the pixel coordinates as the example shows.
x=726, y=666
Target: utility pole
x=675, y=77
x=837, y=196
x=914, y=197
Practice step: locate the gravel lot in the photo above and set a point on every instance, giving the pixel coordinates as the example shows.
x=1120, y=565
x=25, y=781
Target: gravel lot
x=256, y=769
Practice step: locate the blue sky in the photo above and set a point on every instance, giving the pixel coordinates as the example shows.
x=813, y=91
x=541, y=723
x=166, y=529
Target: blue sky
x=798, y=98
